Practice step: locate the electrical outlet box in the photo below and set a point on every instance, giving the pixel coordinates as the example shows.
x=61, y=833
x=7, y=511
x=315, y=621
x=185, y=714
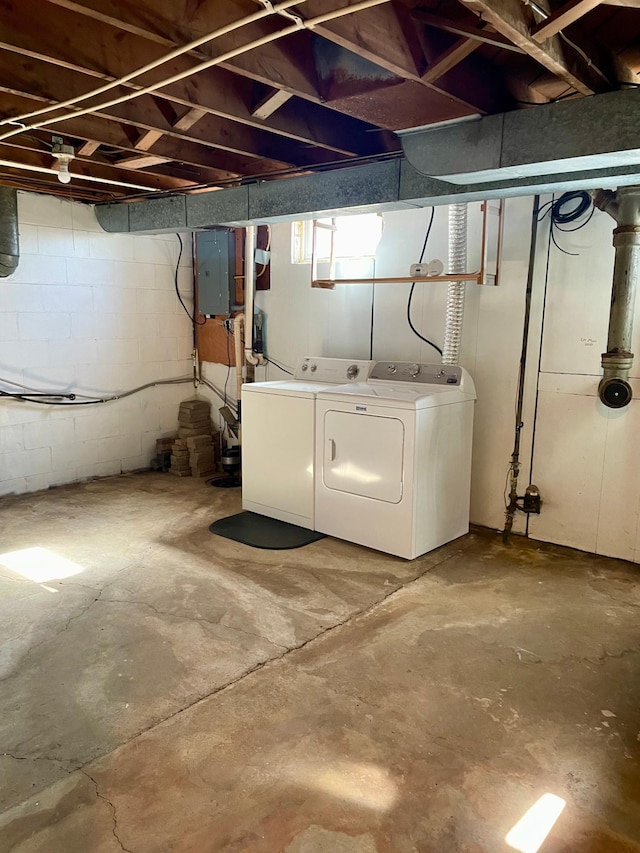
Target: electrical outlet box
x=419, y=270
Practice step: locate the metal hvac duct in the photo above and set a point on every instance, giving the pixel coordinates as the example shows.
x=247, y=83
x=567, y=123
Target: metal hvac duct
x=9, y=246
x=624, y=206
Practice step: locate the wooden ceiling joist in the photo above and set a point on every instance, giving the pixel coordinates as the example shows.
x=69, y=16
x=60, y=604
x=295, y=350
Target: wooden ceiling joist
x=449, y=59
x=482, y=35
x=88, y=148
x=187, y=121
x=270, y=103
x=148, y=140
x=29, y=157
x=515, y=21
x=561, y=18
x=142, y=162
x=217, y=91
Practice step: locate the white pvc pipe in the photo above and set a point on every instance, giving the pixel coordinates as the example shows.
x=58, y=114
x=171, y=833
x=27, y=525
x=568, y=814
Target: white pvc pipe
x=310, y=24
x=179, y=51
x=456, y=289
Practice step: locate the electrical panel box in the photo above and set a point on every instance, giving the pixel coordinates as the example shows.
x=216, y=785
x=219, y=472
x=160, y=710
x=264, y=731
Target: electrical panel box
x=215, y=266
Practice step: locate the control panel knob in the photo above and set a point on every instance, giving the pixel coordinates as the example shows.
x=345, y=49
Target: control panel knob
x=352, y=371
x=314, y=367
x=391, y=368
x=414, y=370
x=304, y=366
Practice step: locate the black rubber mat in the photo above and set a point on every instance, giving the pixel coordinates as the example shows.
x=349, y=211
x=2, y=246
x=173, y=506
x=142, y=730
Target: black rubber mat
x=258, y=531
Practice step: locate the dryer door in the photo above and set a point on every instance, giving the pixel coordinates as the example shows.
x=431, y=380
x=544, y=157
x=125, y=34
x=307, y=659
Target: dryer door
x=363, y=455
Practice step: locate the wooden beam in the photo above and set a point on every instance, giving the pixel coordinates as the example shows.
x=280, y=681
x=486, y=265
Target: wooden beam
x=515, y=21
x=148, y=139
x=449, y=59
x=214, y=165
x=269, y=104
x=29, y=156
x=484, y=35
x=561, y=18
x=88, y=148
x=377, y=35
x=189, y=119
x=146, y=113
x=216, y=91
x=142, y=162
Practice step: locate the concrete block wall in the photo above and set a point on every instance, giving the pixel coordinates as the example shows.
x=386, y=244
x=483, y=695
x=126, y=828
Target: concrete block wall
x=92, y=313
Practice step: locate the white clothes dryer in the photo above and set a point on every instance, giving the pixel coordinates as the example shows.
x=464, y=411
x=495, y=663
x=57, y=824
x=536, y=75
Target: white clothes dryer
x=393, y=458
x=278, y=437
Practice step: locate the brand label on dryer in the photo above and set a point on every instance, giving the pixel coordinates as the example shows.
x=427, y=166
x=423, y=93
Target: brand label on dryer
x=361, y=408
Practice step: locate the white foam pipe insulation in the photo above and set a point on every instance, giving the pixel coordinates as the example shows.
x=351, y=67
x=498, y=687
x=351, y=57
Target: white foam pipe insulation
x=456, y=289
x=249, y=293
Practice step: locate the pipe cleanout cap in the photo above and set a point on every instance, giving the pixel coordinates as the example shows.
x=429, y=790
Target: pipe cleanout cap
x=616, y=393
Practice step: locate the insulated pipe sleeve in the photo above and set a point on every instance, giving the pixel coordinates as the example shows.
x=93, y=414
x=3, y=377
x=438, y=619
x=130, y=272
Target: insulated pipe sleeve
x=9, y=246
x=456, y=290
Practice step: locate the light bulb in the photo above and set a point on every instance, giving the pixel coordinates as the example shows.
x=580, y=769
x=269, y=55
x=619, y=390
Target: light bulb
x=63, y=172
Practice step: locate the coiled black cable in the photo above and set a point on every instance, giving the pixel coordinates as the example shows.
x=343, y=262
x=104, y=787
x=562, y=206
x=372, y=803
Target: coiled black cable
x=570, y=207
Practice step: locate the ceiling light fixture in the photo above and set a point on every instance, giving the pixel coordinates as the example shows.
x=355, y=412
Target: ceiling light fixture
x=64, y=154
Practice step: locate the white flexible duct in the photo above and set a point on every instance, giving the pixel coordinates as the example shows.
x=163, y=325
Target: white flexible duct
x=456, y=291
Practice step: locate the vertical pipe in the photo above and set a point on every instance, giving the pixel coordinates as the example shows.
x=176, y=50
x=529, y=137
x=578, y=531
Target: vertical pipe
x=514, y=464
x=456, y=289
x=614, y=389
x=9, y=246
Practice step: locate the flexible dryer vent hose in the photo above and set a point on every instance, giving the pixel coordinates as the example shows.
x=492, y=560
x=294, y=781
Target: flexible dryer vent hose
x=455, y=293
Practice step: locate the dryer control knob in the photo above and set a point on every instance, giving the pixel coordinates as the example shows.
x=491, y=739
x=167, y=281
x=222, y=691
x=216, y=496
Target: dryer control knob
x=304, y=367
x=352, y=371
x=392, y=368
x=314, y=367
x=414, y=370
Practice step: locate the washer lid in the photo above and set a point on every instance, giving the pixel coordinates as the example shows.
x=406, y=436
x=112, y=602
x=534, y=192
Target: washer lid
x=396, y=396
x=286, y=388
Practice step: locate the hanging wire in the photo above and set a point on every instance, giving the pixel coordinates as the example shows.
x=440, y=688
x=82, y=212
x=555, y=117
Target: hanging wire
x=572, y=207
x=413, y=285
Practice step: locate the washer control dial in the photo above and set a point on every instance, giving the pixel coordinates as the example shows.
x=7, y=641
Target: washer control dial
x=414, y=370
x=352, y=371
x=392, y=368
x=314, y=367
x=304, y=367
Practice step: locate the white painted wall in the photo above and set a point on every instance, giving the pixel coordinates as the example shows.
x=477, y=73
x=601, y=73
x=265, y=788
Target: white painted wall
x=93, y=313
x=586, y=457
x=305, y=321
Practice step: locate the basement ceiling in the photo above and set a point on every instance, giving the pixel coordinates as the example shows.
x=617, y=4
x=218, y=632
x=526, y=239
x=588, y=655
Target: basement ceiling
x=315, y=85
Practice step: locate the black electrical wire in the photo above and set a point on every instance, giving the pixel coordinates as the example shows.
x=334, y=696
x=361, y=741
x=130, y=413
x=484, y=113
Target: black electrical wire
x=175, y=282
x=279, y=366
x=572, y=207
x=413, y=285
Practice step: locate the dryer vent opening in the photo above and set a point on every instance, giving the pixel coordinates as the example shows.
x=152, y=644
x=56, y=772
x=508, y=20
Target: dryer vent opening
x=9, y=247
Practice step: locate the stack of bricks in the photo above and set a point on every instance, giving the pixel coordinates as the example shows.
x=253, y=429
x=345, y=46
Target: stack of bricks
x=180, y=458
x=194, y=451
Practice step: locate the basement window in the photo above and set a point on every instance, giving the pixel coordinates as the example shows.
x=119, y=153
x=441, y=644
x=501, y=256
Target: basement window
x=354, y=238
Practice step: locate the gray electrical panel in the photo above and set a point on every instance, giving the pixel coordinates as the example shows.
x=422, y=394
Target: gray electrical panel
x=215, y=265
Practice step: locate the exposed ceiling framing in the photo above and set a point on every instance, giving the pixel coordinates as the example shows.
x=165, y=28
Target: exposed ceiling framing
x=324, y=81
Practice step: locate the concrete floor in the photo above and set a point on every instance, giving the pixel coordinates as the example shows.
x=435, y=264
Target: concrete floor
x=181, y=693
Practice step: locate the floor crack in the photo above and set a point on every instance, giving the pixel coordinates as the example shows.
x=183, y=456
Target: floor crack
x=215, y=623
x=114, y=816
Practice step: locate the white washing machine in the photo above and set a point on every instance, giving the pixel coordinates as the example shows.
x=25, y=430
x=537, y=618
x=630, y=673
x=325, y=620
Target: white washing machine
x=278, y=437
x=393, y=458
